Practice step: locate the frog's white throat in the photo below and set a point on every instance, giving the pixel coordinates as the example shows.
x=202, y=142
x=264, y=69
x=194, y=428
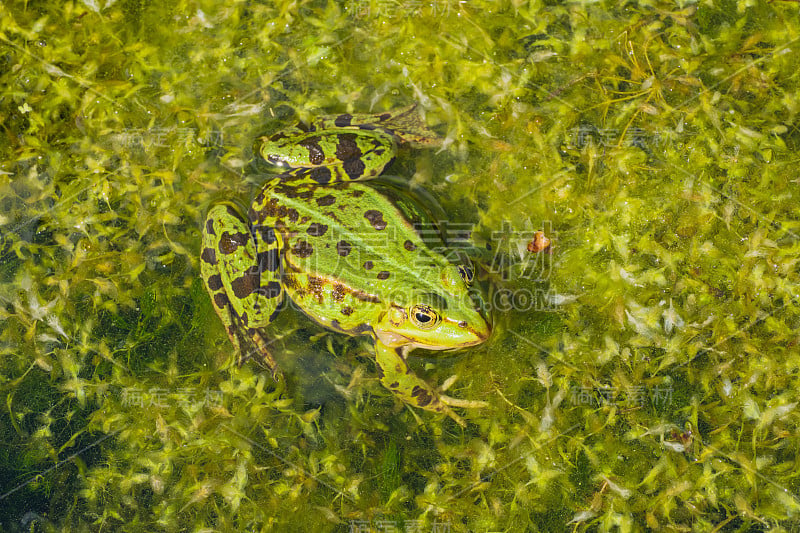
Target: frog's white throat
x=392, y=339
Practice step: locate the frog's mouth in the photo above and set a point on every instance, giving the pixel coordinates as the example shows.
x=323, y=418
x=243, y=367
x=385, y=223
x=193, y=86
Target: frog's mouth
x=393, y=339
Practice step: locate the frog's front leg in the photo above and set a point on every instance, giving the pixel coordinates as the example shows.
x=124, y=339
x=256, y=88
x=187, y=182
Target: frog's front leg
x=396, y=376
x=241, y=271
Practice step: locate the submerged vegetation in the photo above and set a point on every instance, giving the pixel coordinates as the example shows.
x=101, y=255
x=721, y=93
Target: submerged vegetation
x=645, y=373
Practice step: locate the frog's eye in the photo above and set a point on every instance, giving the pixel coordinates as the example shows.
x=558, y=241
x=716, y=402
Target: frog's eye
x=466, y=274
x=424, y=317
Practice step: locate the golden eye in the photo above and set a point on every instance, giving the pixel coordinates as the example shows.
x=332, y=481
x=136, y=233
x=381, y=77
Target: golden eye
x=424, y=317
x=466, y=274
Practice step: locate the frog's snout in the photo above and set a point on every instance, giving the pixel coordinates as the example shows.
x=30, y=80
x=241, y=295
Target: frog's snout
x=477, y=331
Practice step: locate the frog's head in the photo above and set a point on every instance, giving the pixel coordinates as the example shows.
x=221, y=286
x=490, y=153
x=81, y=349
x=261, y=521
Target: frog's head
x=441, y=320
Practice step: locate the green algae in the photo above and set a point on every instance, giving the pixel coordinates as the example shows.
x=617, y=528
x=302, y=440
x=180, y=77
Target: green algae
x=650, y=381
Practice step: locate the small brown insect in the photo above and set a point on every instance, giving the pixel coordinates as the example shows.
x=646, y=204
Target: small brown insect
x=539, y=242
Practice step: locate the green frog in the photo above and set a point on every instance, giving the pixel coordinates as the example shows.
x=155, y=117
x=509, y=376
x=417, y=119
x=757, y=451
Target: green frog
x=347, y=255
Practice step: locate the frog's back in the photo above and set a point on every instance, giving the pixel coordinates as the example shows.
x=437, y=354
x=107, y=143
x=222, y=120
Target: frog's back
x=349, y=238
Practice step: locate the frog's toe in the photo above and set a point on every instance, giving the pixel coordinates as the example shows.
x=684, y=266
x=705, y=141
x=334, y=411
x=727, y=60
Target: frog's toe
x=446, y=401
x=441, y=407
x=455, y=402
x=265, y=360
x=277, y=375
x=468, y=404
x=458, y=420
x=448, y=383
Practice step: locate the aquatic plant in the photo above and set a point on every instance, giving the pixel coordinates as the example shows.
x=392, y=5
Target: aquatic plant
x=643, y=371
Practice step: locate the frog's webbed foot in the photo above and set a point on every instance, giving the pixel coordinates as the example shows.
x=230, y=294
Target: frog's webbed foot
x=405, y=124
x=396, y=376
x=456, y=402
x=258, y=351
x=409, y=127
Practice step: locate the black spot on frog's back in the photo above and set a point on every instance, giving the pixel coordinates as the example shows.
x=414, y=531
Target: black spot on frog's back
x=326, y=200
x=230, y=242
x=266, y=233
x=343, y=120
x=315, y=154
x=269, y=261
x=375, y=218
x=338, y=292
x=321, y=175
x=343, y=248
x=302, y=249
x=316, y=229
x=354, y=168
x=297, y=192
x=247, y=283
x=272, y=290
x=347, y=147
x=221, y=300
x=214, y=282
x=209, y=256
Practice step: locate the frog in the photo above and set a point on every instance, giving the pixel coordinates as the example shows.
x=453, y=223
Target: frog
x=350, y=256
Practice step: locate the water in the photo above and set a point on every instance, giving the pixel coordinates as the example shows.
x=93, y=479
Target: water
x=642, y=373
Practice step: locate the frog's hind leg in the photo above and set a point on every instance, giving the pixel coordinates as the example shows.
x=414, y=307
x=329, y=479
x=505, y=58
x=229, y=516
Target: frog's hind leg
x=242, y=276
x=404, y=124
